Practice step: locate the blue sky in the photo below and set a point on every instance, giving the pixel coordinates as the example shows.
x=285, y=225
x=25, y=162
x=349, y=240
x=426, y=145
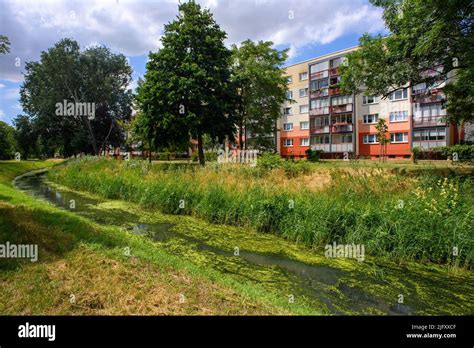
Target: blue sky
x=309, y=28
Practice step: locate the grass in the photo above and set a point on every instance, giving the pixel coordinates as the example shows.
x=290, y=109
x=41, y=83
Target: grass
x=400, y=213
x=86, y=261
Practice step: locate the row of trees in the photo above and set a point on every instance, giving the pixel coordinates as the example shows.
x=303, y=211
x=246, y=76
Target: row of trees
x=196, y=87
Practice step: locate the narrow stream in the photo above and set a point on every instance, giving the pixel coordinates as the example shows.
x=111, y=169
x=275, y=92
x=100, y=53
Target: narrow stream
x=318, y=284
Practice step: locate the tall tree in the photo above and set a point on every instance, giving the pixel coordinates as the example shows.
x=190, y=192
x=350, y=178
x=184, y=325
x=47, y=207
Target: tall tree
x=187, y=89
x=430, y=42
x=93, y=76
x=7, y=141
x=25, y=135
x=260, y=81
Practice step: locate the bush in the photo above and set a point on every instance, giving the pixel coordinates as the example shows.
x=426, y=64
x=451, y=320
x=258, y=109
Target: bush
x=415, y=153
x=314, y=155
x=268, y=161
x=465, y=152
x=211, y=156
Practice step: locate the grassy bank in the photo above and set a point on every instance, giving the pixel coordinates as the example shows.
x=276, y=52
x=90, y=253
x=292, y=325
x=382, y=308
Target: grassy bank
x=395, y=215
x=83, y=269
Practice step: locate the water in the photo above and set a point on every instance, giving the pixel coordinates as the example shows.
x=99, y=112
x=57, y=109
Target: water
x=318, y=283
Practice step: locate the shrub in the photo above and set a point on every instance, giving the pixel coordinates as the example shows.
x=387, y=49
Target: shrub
x=314, y=155
x=415, y=154
x=268, y=161
x=465, y=152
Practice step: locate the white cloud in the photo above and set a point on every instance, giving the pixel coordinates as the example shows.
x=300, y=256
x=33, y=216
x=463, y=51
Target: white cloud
x=2, y=115
x=135, y=27
x=11, y=93
x=2, y=85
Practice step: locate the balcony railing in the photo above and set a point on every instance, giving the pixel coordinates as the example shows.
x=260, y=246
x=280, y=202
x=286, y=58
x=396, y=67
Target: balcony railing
x=324, y=92
x=341, y=128
x=423, y=98
x=349, y=147
x=334, y=90
x=319, y=75
x=334, y=71
x=319, y=129
x=319, y=111
x=341, y=108
x=324, y=147
x=430, y=121
x=429, y=144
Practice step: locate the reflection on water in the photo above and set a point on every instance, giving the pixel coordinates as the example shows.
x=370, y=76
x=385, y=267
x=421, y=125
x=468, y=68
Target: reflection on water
x=312, y=279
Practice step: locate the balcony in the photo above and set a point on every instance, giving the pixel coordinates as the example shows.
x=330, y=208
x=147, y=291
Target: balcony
x=319, y=75
x=429, y=144
x=428, y=98
x=341, y=127
x=324, y=92
x=341, y=108
x=334, y=91
x=347, y=147
x=324, y=147
x=319, y=129
x=319, y=111
x=430, y=121
x=334, y=71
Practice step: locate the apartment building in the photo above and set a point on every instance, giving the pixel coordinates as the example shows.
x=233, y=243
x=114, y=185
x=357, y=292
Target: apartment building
x=320, y=116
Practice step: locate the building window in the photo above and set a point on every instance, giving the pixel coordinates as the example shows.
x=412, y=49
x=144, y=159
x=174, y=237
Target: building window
x=304, y=142
x=288, y=111
x=304, y=109
x=304, y=125
x=429, y=134
x=319, y=67
x=289, y=79
x=287, y=142
x=320, y=139
x=398, y=116
x=370, y=119
x=343, y=99
x=289, y=95
x=399, y=137
x=303, y=76
x=399, y=94
x=370, y=139
x=287, y=126
x=369, y=99
x=303, y=92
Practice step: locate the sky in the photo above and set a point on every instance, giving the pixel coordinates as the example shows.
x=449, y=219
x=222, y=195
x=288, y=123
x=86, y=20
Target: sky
x=308, y=28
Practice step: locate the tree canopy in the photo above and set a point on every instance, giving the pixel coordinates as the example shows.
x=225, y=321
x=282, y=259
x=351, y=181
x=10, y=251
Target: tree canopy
x=260, y=83
x=65, y=73
x=430, y=41
x=187, y=89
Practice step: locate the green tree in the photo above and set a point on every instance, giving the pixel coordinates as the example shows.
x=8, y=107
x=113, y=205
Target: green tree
x=382, y=137
x=7, y=141
x=261, y=84
x=93, y=76
x=430, y=42
x=25, y=136
x=4, y=44
x=187, y=89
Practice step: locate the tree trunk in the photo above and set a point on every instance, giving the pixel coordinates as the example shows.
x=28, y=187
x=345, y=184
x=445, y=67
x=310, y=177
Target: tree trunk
x=202, y=161
x=91, y=137
x=149, y=150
